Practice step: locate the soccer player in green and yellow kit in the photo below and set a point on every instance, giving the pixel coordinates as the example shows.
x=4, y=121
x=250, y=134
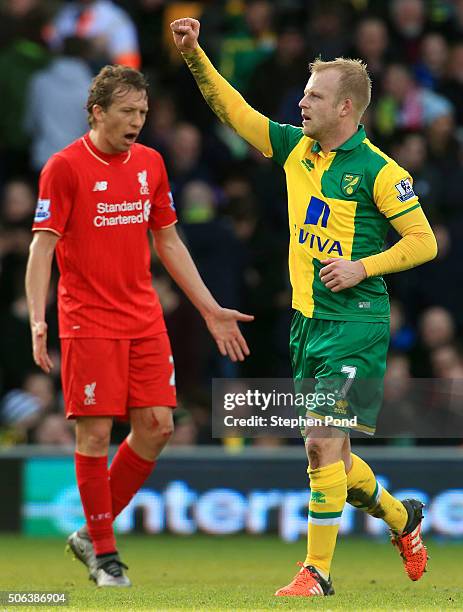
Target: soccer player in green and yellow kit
x=343, y=194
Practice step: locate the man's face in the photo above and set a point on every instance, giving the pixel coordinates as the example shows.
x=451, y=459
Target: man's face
x=123, y=120
x=320, y=109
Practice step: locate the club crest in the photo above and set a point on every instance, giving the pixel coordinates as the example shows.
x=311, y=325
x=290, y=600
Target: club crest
x=350, y=183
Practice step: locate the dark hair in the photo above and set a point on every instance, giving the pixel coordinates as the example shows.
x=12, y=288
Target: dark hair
x=111, y=81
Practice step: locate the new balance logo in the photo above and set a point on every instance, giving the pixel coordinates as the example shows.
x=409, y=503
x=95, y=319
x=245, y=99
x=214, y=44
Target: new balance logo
x=89, y=391
x=101, y=186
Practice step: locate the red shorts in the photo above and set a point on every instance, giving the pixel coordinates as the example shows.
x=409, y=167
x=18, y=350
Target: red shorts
x=103, y=377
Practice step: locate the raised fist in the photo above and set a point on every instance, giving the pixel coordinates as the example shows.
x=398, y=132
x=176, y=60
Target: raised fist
x=185, y=32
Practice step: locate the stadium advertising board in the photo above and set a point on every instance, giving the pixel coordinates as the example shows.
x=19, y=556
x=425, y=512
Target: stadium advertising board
x=233, y=495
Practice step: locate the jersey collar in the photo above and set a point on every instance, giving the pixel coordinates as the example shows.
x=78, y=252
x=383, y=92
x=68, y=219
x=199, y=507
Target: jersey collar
x=350, y=144
x=105, y=158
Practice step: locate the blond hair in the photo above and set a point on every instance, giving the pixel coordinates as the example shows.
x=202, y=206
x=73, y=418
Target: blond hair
x=354, y=81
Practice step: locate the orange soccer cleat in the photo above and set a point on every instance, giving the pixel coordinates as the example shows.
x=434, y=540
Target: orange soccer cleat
x=307, y=583
x=409, y=542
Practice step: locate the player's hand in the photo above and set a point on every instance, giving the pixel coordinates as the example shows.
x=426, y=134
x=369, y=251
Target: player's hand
x=185, y=32
x=339, y=274
x=223, y=326
x=39, y=346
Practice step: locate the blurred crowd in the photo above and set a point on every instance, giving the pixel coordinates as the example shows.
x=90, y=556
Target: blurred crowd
x=231, y=201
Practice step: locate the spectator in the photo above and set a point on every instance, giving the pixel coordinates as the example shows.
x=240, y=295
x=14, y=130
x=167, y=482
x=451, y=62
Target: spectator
x=402, y=334
x=447, y=361
x=436, y=329
x=54, y=430
x=406, y=106
x=248, y=44
x=16, y=213
x=55, y=109
x=371, y=44
x=430, y=70
x=284, y=66
x=328, y=30
x=19, y=61
x=444, y=148
x=408, y=25
x=412, y=154
x=184, y=158
x=452, y=86
x=110, y=28
x=41, y=387
x=20, y=412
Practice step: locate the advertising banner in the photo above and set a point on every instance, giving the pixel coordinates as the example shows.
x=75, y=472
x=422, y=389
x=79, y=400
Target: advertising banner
x=230, y=495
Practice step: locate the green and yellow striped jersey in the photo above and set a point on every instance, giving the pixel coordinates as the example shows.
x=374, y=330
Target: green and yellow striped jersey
x=340, y=205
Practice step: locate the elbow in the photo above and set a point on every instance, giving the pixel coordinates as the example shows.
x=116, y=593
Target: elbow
x=433, y=248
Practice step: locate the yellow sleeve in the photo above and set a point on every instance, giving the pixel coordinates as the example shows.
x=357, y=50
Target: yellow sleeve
x=417, y=245
x=228, y=104
x=393, y=191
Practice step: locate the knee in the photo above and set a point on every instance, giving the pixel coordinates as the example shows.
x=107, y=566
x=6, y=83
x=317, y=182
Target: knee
x=164, y=431
x=158, y=432
x=317, y=450
x=93, y=440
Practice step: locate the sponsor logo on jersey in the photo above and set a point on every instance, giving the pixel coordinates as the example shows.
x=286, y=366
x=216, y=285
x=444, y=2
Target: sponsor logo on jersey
x=350, y=182
x=323, y=245
x=405, y=190
x=146, y=210
x=101, y=186
x=308, y=164
x=143, y=180
x=139, y=210
x=318, y=213
x=89, y=391
x=316, y=210
x=42, y=212
x=171, y=200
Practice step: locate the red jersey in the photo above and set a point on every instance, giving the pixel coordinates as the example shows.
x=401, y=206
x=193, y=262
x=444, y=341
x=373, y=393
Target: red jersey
x=102, y=206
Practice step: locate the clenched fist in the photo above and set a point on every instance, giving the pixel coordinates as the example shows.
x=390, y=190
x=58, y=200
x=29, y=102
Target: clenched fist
x=185, y=32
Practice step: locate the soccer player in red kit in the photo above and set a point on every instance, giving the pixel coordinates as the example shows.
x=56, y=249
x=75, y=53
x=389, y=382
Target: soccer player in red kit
x=98, y=198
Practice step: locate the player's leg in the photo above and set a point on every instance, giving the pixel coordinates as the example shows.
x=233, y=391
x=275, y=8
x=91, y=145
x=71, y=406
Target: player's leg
x=363, y=400
x=328, y=487
x=136, y=457
x=95, y=377
x=91, y=458
x=326, y=471
x=403, y=517
x=328, y=497
x=151, y=400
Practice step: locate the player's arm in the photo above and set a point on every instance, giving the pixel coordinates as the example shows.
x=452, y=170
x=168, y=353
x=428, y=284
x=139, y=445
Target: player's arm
x=416, y=246
x=395, y=199
x=394, y=196
x=221, y=322
x=227, y=103
x=38, y=274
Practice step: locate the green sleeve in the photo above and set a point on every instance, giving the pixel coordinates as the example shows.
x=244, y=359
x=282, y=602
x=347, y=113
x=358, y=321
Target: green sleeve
x=283, y=138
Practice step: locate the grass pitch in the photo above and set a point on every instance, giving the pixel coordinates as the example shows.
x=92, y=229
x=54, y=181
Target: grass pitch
x=232, y=573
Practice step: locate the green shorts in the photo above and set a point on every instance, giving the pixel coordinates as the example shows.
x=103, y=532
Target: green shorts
x=342, y=365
